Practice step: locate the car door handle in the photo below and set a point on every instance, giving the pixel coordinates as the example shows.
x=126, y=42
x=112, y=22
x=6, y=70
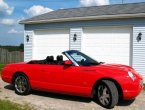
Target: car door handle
x=89, y=70
x=42, y=70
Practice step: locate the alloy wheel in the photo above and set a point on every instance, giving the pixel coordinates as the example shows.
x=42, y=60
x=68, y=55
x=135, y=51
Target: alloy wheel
x=21, y=84
x=104, y=95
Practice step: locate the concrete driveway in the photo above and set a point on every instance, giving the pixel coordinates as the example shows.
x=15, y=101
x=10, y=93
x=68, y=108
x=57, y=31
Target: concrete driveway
x=50, y=101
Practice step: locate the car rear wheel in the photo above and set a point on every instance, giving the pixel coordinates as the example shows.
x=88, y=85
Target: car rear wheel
x=21, y=84
x=107, y=94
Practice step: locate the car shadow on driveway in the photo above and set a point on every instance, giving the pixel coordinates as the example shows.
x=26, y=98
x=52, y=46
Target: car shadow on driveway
x=9, y=87
x=54, y=95
x=69, y=97
x=62, y=96
x=125, y=102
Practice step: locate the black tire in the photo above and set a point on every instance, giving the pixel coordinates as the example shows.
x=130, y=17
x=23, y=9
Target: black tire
x=21, y=84
x=107, y=94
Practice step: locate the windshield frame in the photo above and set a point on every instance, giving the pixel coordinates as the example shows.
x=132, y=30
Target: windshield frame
x=67, y=54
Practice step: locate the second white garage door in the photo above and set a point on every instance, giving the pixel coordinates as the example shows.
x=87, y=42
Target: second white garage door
x=108, y=44
x=50, y=42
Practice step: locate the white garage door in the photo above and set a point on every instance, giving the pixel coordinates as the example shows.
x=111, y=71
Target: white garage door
x=50, y=42
x=107, y=44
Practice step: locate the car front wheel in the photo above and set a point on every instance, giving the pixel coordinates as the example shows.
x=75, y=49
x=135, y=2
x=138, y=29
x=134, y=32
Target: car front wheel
x=21, y=84
x=107, y=94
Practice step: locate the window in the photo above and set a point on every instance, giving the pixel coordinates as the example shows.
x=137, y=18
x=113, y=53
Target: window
x=82, y=59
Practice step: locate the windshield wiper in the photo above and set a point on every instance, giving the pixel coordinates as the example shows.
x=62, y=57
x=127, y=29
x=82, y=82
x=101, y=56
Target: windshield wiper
x=90, y=64
x=97, y=63
x=101, y=62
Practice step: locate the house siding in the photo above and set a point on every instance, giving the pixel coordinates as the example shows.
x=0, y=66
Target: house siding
x=139, y=50
x=28, y=46
x=75, y=45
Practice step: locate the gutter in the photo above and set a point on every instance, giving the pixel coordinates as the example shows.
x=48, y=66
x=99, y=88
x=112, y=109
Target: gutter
x=85, y=18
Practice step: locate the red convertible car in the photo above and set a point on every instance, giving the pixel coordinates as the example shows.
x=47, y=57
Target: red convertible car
x=80, y=76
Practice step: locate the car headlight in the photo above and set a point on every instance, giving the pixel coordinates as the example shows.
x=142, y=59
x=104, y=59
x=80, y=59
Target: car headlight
x=130, y=74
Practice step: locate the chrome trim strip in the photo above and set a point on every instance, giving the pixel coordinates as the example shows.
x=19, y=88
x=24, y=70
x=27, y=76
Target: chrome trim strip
x=69, y=57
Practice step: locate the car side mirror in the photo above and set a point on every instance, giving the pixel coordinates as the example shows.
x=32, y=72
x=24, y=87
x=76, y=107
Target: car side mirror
x=68, y=62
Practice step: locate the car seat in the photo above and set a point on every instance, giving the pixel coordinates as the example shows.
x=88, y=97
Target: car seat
x=50, y=60
x=59, y=60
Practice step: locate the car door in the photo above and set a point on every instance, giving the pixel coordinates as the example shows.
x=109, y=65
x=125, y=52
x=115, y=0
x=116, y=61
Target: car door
x=78, y=80
x=35, y=74
x=51, y=75
x=66, y=79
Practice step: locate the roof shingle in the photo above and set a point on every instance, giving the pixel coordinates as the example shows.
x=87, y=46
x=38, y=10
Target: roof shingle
x=118, y=9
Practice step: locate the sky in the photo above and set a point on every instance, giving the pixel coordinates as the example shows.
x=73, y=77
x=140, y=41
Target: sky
x=12, y=11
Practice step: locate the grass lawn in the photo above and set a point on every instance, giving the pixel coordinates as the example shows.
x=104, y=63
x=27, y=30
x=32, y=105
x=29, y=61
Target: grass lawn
x=1, y=66
x=7, y=105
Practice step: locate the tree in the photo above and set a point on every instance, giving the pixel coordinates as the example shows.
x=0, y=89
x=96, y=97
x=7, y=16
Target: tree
x=21, y=47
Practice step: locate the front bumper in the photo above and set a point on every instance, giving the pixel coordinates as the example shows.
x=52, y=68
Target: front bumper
x=6, y=76
x=133, y=90
x=6, y=79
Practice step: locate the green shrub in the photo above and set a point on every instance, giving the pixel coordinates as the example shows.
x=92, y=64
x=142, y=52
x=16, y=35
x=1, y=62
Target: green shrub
x=1, y=67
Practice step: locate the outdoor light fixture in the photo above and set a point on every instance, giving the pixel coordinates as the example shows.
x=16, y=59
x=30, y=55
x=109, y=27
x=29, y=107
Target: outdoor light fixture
x=75, y=37
x=138, y=38
x=27, y=38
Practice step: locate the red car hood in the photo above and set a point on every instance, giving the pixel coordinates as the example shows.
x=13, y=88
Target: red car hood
x=115, y=67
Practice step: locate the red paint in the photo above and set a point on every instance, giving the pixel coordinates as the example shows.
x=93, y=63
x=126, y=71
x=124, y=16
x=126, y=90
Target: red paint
x=75, y=80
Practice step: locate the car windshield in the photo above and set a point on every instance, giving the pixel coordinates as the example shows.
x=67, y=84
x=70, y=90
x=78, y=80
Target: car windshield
x=82, y=59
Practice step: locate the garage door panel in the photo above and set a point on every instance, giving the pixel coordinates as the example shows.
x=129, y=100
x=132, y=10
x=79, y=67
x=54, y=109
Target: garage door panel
x=51, y=31
x=111, y=45
x=108, y=51
x=50, y=42
x=109, y=29
x=109, y=58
